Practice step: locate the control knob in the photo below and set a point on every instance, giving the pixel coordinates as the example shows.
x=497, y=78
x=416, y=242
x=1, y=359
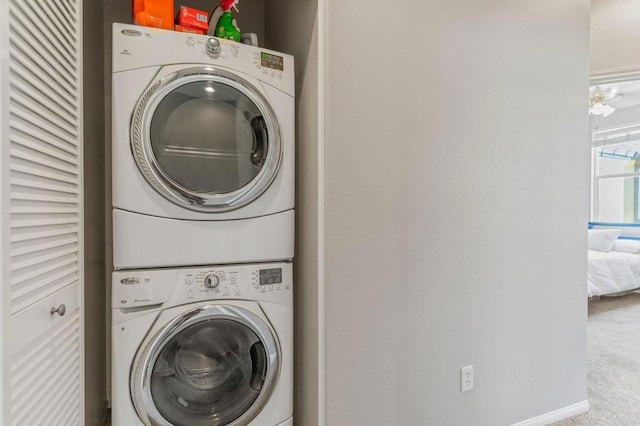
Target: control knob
x=211, y=281
x=213, y=46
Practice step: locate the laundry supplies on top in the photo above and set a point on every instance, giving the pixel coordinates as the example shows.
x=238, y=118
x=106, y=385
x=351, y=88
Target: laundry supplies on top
x=153, y=13
x=189, y=17
x=227, y=27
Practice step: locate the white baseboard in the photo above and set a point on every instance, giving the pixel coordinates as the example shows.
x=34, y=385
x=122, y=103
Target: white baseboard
x=557, y=415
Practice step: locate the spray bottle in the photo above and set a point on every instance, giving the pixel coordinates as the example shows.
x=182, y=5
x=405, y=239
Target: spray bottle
x=227, y=27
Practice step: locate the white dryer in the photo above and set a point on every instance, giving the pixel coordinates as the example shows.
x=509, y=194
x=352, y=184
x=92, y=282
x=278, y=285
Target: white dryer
x=208, y=346
x=203, y=150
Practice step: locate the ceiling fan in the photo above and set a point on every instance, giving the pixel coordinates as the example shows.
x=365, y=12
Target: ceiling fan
x=599, y=102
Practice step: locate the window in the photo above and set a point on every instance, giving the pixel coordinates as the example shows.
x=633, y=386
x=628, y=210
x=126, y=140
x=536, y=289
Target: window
x=616, y=183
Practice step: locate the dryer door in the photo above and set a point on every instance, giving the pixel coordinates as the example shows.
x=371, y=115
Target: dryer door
x=216, y=365
x=206, y=139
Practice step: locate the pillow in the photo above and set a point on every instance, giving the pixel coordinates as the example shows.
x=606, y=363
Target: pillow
x=627, y=246
x=602, y=239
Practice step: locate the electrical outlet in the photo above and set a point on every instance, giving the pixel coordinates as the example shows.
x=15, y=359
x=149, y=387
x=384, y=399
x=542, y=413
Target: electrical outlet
x=466, y=378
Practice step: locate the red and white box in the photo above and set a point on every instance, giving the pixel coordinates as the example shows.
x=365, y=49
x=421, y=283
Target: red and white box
x=182, y=29
x=193, y=18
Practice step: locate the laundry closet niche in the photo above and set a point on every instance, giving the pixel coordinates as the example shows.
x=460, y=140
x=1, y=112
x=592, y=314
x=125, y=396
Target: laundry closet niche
x=289, y=26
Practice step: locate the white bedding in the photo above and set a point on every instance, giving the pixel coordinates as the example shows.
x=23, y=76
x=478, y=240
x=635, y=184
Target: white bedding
x=612, y=272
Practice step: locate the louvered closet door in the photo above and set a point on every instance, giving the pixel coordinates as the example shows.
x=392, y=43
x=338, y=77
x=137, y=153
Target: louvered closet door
x=45, y=137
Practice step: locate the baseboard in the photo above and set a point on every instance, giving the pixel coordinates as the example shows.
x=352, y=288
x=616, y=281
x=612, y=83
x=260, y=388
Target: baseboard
x=557, y=415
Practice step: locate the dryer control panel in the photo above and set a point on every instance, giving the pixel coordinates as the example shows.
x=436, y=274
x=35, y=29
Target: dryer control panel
x=136, y=47
x=269, y=282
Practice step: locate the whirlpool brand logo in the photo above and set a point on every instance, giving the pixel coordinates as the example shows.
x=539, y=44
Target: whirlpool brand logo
x=131, y=33
x=130, y=280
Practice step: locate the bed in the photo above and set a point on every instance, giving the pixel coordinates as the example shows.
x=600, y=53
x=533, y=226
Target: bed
x=614, y=263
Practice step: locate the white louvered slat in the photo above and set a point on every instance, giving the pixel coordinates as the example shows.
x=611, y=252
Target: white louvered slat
x=26, y=93
x=58, y=167
x=36, y=92
x=47, y=116
x=22, y=277
x=70, y=416
x=58, y=84
x=41, y=208
x=46, y=220
x=27, y=168
x=27, y=234
x=24, y=194
x=64, y=29
x=42, y=257
x=43, y=244
x=20, y=111
x=28, y=280
x=63, y=43
x=34, y=182
x=22, y=131
x=26, y=143
x=61, y=377
x=37, y=42
x=42, y=30
x=68, y=7
x=45, y=362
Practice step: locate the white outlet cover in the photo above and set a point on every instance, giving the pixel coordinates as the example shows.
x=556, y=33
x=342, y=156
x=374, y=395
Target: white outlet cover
x=466, y=378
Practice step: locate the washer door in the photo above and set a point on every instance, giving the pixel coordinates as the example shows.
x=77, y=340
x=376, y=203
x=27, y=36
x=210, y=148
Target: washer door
x=206, y=139
x=215, y=365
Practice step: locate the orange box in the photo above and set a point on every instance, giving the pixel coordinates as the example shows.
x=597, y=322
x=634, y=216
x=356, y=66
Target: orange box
x=182, y=29
x=153, y=13
x=193, y=18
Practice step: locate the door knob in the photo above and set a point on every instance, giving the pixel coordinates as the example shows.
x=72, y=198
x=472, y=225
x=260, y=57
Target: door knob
x=60, y=310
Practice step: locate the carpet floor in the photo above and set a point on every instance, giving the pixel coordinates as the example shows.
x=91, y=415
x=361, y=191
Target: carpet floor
x=613, y=360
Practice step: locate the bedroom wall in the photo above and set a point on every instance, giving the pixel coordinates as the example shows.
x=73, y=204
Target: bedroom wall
x=446, y=243
x=614, y=35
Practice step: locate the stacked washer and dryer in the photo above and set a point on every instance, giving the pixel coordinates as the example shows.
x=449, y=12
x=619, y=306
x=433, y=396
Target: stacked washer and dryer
x=203, y=231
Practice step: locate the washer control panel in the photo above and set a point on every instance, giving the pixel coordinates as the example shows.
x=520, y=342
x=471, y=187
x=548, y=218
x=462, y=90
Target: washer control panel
x=210, y=284
x=263, y=282
x=211, y=281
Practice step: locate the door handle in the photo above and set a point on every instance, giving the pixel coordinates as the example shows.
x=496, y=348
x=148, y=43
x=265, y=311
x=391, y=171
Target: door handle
x=259, y=150
x=60, y=310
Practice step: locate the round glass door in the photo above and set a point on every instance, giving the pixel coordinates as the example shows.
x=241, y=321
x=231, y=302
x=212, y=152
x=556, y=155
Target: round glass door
x=206, y=139
x=215, y=366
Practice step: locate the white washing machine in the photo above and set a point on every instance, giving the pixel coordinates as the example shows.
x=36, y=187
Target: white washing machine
x=203, y=150
x=206, y=346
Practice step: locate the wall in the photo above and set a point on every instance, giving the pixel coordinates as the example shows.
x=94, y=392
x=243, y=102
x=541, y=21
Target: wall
x=614, y=35
x=291, y=26
x=94, y=217
x=446, y=244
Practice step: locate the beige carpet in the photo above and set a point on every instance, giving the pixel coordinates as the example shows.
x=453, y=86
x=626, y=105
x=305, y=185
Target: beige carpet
x=613, y=358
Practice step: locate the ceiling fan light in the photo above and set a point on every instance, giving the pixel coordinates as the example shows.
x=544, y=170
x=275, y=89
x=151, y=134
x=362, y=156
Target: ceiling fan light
x=598, y=108
x=607, y=110
x=599, y=102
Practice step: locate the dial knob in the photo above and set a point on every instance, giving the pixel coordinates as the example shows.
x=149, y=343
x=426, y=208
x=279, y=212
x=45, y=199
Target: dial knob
x=213, y=46
x=211, y=281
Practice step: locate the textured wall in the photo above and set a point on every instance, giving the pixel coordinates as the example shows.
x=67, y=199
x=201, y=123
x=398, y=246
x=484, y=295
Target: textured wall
x=615, y=31
x=447, y=243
